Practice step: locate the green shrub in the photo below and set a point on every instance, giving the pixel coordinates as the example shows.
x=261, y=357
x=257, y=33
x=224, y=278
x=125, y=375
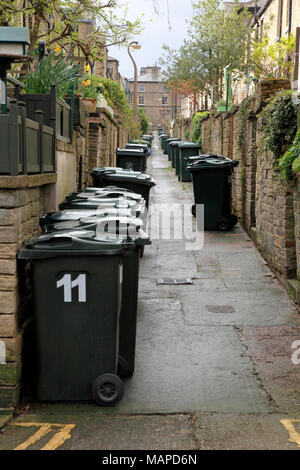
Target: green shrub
x=91, y=86
x=280, y=125
x=196, y=126
x=296, y=165
x=187, y=134
x=51, y=70
x=222, y=104
x=144, y=122
x=290, y=162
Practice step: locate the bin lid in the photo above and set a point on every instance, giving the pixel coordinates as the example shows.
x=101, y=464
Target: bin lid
x=136, y=146
x=147, y=136
x=139, y=142
x=75, y=215
x=92, y=189
x=94, y=203
x=130, y=152
x=109, y=195
x=115, y=175
x=194, y=158
x=212, y=163
x=74, y=242
x=128, y=227
x=172, y=139
x=105, y=227
x=175, y=143
x=189, y=145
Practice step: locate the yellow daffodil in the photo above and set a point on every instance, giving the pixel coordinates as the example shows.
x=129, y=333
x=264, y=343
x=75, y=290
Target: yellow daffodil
x=87, y=68
x=57, y=49
x=83, y=83
x=88, y=82
x=100, y=84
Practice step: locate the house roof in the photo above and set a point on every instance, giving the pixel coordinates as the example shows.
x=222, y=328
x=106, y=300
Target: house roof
x=150, y=77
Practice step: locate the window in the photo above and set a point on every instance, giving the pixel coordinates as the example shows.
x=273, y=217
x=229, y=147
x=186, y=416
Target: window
x=141, y=101
x=164, y=100
x=289, y=15
x=141, y=88
x=279, y=21
x=164, y=90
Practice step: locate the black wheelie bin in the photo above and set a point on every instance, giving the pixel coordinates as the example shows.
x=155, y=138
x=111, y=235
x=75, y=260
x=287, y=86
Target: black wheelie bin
x=186, y=149
x=173, y=147
x=163, y=139
x=131, y=159
x=145, y=149
x=140, y=183
x=168, y=146
x=212, y=187
x=129, y=228
x=77, y=288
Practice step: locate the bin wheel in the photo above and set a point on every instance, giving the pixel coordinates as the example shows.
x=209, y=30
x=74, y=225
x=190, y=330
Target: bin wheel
x=107, y=389
x=178, y=178
x=193, y=210
x=142, y=250
x=234, y=220
x=123, y=369
x=225, y=224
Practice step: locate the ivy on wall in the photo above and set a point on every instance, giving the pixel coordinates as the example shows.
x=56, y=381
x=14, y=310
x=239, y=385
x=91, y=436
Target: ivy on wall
x=243, y=114
x=280, y=123
x=196, y=126
x=289, y=163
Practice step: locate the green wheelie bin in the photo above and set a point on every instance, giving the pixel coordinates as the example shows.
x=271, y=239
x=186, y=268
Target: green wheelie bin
x=144, y=147
x=163, y=139
x=168, y=147
x=212, y=187
x=131, y=159
x=176, y=157
x=186, y=149
x=173, y=147
x=129, y=228
x=140, y=183
x=77, y=288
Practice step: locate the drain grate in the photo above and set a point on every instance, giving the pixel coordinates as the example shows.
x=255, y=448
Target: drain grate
x=220, y=308
x=174, y=282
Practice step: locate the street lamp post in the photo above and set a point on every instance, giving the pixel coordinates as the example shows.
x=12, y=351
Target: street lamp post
x=134, y=45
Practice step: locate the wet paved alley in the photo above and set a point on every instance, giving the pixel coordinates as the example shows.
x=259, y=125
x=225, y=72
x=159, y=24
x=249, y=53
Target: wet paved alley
x=213, y=361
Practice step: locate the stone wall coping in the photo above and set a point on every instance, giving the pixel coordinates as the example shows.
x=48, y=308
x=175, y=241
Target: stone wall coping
x=64, y=146
x=107, y=113
x=27, y=181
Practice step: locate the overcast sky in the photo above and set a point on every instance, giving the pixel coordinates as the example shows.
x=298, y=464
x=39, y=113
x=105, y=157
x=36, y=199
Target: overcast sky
x=156, y=32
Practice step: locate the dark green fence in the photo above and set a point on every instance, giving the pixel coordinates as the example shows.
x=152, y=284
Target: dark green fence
x=27, y=146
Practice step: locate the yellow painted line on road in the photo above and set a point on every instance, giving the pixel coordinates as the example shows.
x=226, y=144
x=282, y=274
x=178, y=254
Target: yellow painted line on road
x=60, y=437
x=56, y=441
x=289, y=426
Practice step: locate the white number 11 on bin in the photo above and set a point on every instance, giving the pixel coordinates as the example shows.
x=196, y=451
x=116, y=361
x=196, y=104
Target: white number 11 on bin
x=67, y=283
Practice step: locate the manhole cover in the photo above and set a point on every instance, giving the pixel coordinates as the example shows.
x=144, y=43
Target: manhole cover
x=174, y=282
x=220, y=308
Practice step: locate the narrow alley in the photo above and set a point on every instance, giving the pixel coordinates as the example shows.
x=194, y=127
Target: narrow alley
x=214, y=363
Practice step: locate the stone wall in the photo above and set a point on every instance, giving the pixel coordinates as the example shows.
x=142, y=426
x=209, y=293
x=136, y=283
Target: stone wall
x=267, y=207
x=180, y=128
